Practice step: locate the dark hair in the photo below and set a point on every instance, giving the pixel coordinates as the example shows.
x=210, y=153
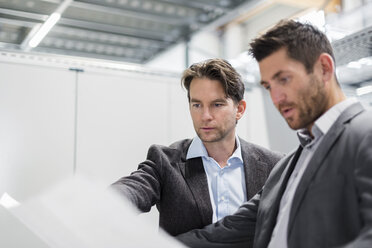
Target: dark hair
x=303, y=42
x=216, y=69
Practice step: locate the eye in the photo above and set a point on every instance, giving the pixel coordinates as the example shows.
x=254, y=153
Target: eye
x=195, y=105
x=266, y=86
x=284, y=79
x=218, y=104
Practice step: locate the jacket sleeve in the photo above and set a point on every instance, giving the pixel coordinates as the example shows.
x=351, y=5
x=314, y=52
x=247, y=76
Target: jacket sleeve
x=363, y=179
x=233, y=231
x=143, y=186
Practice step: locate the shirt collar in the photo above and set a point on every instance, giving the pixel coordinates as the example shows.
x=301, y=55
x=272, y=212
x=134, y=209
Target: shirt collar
x=197, y=149
x=324, y=122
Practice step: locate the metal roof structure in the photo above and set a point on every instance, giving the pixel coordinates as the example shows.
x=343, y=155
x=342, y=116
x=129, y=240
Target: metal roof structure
x=122, y=30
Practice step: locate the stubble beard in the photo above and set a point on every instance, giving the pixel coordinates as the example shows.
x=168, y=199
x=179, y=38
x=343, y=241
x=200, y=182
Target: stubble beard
x=313, y=105
x=218, y=135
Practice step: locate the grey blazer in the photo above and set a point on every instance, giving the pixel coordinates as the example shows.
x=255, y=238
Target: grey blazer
x=332, y=206
x=179, y=187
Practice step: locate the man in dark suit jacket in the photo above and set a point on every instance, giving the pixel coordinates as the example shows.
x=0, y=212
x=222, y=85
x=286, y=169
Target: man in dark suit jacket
x=321, y=194
x=187, y=188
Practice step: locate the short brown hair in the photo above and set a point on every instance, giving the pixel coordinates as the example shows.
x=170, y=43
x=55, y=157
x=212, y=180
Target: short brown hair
x=303, y=42
x=216, y=69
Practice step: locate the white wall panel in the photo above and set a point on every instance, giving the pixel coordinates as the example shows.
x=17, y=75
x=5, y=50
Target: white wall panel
x=181, y=126
x=36, y=127
x=119, y=116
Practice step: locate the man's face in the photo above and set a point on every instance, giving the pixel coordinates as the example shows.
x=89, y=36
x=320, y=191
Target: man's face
x=300, y=97
x=213, y=114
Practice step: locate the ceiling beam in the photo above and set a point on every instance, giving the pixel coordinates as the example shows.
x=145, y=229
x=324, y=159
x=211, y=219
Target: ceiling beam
x=24, y=14
x=134, y=32
x=131, y=13
x=63, y=30
x=19, y=23
x=195, y=4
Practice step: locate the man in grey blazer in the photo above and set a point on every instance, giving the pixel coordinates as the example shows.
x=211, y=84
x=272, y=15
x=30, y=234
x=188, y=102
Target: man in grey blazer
x=321, y=194
x=196, y=182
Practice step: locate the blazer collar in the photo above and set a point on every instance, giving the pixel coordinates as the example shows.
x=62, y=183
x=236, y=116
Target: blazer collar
x=254, y=167
x=321, y=152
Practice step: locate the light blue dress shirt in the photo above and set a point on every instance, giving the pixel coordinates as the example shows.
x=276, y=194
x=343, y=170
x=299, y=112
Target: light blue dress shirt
x=319, y=129
x=226, y=185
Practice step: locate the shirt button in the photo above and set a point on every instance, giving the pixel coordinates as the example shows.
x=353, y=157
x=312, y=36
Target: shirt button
x=222, y=198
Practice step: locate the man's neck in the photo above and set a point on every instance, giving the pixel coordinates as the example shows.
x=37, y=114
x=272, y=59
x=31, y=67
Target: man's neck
x=222, y=150
x=336, y=97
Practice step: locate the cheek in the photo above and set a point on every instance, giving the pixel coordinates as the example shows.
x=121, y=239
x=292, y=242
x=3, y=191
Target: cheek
x=231, y=115
x=276, y=104
x=194, y=115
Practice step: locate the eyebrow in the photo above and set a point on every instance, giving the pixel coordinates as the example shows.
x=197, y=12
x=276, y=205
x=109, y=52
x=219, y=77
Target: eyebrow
x=273, y=77
x=224, y=100
x=216, y=100
x=194, y=100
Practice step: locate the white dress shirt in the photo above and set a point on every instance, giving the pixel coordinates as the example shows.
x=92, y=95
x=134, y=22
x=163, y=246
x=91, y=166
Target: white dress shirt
x=226, y=185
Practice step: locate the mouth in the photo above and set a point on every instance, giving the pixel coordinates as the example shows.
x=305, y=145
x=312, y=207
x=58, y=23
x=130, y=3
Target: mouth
x=207, y=128
x=287, y=111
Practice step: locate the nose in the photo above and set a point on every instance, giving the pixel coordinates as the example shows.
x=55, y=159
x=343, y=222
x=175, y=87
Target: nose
x=277, y=95
x=206, y=114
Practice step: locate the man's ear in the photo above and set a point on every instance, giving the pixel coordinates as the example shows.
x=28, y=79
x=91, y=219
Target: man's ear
x=327, y=66
x=241, y=109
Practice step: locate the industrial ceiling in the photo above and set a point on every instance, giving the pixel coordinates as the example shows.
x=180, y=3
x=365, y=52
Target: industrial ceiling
x=122, y=30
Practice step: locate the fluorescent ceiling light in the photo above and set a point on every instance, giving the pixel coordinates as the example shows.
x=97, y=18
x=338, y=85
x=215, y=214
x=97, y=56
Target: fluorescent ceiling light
x=38, y=32
x=364, y=90
x=44, y=29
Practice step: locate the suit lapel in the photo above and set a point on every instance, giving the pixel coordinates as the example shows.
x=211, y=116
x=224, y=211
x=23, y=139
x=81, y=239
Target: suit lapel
x=196, y=179
x=319, y=155
x=253, y=175
x=254, y=169
x=272, y=194
x=276, y=191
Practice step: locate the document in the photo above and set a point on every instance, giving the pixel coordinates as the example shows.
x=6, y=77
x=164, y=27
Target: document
x=78, y=213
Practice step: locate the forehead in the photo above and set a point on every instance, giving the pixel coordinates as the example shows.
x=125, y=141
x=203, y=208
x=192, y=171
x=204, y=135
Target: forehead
x=198, y=85
x=204, y=89
x=278, y=62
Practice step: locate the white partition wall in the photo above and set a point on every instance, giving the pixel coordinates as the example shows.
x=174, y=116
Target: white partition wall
x=180, y=126
x=36, y=127
x=119, y=115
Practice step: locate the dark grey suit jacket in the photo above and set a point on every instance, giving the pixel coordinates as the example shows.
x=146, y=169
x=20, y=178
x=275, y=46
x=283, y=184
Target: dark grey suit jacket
x=332, y=206
x=179, y=187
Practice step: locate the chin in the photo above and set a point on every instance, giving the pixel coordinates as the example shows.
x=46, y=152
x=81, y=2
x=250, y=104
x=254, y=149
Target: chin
x=210, y=139
x=293, y=126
